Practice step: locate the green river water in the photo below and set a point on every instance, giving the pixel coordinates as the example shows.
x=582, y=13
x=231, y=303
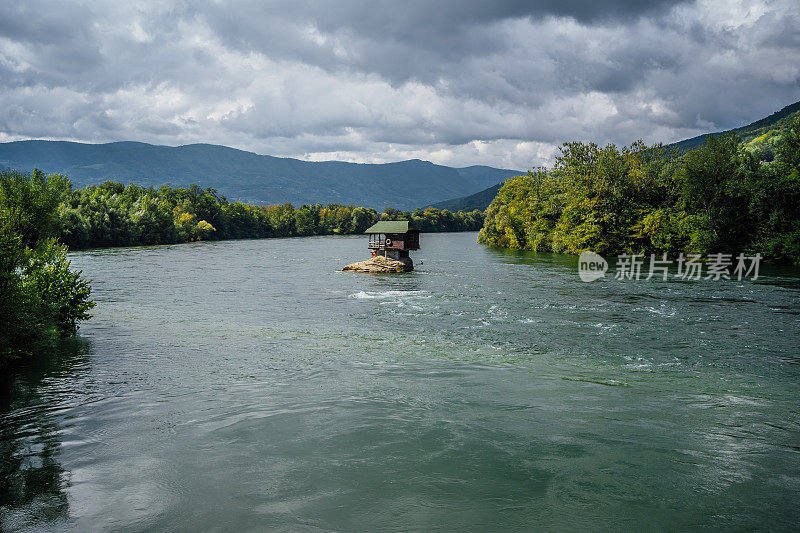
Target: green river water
x=250, y=386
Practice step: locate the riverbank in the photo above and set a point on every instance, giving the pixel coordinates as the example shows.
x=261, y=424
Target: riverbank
x=651, y=200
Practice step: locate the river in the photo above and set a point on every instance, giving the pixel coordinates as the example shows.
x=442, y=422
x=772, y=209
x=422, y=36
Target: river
x=250, y=385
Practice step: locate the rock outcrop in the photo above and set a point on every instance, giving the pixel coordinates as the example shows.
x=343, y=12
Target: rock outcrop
x=381, y=264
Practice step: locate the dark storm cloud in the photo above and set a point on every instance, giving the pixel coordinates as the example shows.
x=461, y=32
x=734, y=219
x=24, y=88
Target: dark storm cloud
x=412, y=40
x=459, y=82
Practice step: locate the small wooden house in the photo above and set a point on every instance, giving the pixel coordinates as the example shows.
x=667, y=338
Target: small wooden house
x=393, y=239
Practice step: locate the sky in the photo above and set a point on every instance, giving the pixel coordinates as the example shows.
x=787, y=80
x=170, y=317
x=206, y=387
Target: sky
x=500, y=83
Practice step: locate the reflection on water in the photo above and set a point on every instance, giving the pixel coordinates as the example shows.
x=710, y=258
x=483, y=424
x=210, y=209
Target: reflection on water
x=33, y=480
x=251, y=385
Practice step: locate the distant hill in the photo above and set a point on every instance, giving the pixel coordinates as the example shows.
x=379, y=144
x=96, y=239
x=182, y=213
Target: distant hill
x=479, y=200
x=249, y=177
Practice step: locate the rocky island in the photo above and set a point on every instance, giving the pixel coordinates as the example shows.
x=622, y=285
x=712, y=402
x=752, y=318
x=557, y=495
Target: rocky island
x=382, y=264
x=389, y=242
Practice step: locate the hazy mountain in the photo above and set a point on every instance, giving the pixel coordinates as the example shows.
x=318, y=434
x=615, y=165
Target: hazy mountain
x=479, y=200
x=250, y=177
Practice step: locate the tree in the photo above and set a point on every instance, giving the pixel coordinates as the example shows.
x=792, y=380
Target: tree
x=41, y=299
x=714, y=178
x=363, y=218
x=30, y=203
x=63, y=296
x=775, y=202
x=305, y=220
x=789, y=148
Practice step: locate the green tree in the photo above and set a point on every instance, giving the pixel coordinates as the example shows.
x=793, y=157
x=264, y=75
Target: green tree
x=789, y=149
x=775, y=202
x=715, y=188
x=363, y=218
x=30, y=203
x=63, y=296
x=41, y=299
x=305, y=219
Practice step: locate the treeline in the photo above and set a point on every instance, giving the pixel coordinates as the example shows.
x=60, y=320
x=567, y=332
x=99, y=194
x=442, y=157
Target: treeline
x=41, y=298
x=113, y=214
x=649, y=199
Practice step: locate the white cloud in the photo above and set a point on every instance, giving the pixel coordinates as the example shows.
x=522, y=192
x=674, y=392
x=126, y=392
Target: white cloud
x=460, y=85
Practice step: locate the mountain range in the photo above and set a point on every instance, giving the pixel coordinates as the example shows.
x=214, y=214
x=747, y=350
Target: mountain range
x=263, y=179
x=252, y=178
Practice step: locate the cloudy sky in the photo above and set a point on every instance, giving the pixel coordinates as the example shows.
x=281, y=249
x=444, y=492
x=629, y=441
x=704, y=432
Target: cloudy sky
x=454, y=82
